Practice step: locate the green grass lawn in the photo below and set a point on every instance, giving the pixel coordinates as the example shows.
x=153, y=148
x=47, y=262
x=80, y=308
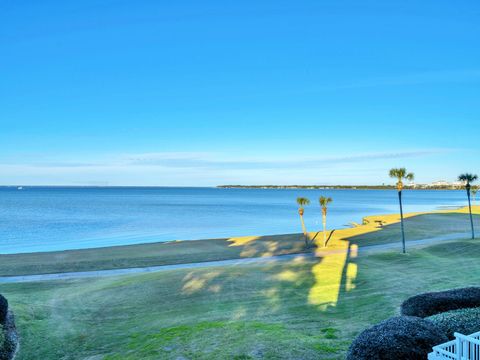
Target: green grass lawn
x=421, y=227
x=302, y=309
x=418, y=227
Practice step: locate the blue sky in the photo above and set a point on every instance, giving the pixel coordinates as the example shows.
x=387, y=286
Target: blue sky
x=249, y=92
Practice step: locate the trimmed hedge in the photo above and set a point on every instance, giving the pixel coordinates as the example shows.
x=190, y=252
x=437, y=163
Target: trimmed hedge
x=8, y=332
x=433, y=303
x=3, y=344
x=464, y=321
x=2, y=340
x=402, y=337
x=9, y=339
x=3, y=309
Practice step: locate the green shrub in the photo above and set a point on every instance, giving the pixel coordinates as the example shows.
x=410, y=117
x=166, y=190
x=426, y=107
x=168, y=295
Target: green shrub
x=432, y=303
x=3, y=344
x=464, y=321
x=8, y=341
x=2, y=338
x=401, y=337
x=3, y=309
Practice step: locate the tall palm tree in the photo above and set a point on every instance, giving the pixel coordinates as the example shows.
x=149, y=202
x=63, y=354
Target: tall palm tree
x=302, y=202
x=324, y=201
x=467, y=179
x=401, y=174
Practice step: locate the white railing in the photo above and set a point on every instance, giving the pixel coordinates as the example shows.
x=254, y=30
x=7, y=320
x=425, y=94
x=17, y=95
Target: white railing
x=464, y=347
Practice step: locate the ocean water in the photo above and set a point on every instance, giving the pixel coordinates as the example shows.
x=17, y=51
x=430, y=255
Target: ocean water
x=61, y=218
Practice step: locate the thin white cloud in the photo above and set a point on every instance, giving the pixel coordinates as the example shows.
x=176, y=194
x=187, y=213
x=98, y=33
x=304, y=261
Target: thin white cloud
x=219, y=161
x=224, y=161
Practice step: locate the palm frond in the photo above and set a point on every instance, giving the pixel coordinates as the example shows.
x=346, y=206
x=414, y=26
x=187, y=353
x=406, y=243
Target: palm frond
x=467, y=177
x=324, y=201
x=401, y=174
x=302, y=201
x=398, y=173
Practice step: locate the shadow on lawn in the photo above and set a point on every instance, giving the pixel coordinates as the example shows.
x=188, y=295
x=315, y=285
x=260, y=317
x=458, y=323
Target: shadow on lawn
x=278, y=286
x=319, y=282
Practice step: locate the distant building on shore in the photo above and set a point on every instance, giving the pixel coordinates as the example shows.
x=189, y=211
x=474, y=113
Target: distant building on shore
x=441, y=184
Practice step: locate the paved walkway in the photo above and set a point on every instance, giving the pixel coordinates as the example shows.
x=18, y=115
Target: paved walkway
x=233, y=262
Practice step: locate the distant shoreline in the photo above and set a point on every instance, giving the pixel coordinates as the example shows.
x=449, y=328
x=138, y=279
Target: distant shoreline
x=267, y=187
x=337, y=187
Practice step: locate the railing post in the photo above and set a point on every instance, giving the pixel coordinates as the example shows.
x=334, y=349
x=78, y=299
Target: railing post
x=458, y=347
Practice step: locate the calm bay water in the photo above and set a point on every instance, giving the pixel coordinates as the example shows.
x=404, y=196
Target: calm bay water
x=56, y=218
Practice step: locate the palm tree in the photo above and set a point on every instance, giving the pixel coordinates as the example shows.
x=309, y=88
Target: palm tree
x=467, y=179
x=401, y=174
x=302, y=202
x=324, y=201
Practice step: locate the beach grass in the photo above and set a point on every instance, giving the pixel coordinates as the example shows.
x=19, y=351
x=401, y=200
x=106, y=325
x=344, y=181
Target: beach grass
x=417, y=225
x=303, y=308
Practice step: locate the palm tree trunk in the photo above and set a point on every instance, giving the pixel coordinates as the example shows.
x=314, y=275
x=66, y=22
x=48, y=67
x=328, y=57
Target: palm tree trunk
x=401, y=221
x=324, y=231
x=470, y=211
x=304, y=230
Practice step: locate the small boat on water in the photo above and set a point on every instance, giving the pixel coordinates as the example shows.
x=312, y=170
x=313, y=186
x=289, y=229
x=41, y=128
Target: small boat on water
x=20, y=188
